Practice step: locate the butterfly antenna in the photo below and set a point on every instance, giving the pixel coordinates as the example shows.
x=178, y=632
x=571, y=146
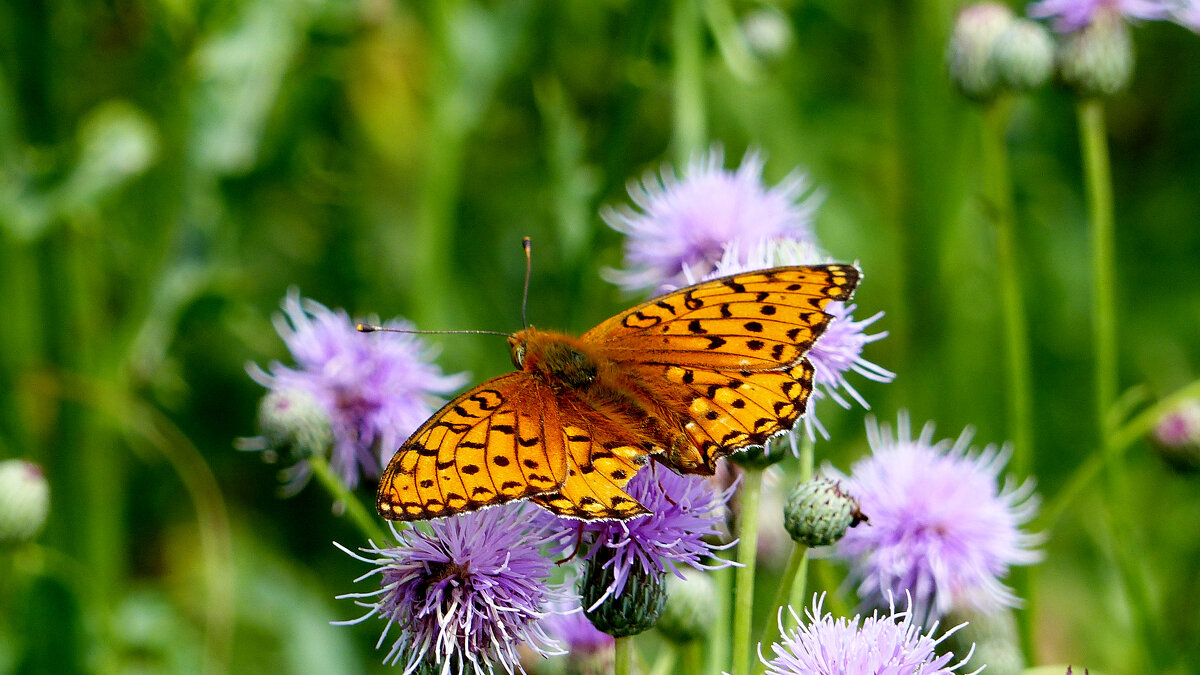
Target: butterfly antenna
x=372, y=328
x=527, y=244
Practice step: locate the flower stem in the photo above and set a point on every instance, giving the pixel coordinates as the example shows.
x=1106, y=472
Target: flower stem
x=623, y=656
x=342, y=495
x=743, y=592
x=797, y=567
x=688, y=79
x=998, y=191
x=718, y=644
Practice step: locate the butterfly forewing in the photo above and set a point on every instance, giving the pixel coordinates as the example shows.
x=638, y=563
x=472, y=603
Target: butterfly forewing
x=495, y=443
x=757, y=320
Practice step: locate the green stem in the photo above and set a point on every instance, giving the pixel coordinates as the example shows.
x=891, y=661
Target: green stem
x=1100, y=212
x=743, y=592
x=998, y=191
x=693, y=657
x=718, y=645
x=1098, y=176
x=623, y=656
x=797, y=567
x=342, y=495
x=688, y=79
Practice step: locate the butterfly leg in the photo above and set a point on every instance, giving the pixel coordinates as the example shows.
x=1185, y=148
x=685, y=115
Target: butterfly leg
x=578, y=545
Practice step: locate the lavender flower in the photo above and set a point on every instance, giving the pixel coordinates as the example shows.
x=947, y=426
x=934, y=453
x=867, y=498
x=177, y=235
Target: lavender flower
x=1073, y=15
x=570, y=626
x=839, y=350
x=941, y=529
x=683, y=510
x=464, y=595
x=686, y=223
x=891, y=644
x=375, y=389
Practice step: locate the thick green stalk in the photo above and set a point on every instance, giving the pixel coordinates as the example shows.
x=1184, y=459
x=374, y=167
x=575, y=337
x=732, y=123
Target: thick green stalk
x=743, y=592
x=797, y=566
x=718, y=643
x=623, y=656
x=1098, y=177
x=362, y=519
x=1018, y=381
x=687, y=40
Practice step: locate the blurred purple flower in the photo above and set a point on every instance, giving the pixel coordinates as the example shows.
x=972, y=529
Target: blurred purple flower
x=891, y=644
x=1073, y=15
x=686, y=223
x=839, y=350
x=570, y=626
x=683, y=510
x=376, y=389
x=941, y=529
x=465, y=594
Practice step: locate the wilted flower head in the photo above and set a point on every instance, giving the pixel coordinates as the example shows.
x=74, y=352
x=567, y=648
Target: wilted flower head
x=941, y=528
x=891, y=644
x=686, y=223
x=24, y=501
x=683, y=510
x=838, y=351
x=375, y=389
x=1072, y=15
x=464, y=595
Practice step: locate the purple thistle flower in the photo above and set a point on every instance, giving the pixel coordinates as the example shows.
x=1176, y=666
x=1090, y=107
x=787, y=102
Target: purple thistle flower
x=1073, y=15
x=376, y=389
x=686, y=223
x=570, y=626
x=683, y=510
x=839, y=350
x=465, y=594
x=941, y=528
x=891, y=644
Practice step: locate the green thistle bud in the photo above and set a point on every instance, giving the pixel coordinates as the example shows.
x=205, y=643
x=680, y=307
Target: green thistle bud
x=294, y=419
x=688, y=615
x=818, y=513
x=768, y=32
x=635, y=610
x=755, y=457
x=1098, y=60
x=1023, y=56
x=969, y=54
x=24, y=501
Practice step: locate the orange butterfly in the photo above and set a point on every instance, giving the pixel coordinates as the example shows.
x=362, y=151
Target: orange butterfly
x=686, y=378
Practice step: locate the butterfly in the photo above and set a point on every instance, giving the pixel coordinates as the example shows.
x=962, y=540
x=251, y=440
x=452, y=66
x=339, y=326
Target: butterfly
x=685, y=378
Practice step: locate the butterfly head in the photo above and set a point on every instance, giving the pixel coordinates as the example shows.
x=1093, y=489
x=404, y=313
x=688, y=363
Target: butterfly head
x=517, y=345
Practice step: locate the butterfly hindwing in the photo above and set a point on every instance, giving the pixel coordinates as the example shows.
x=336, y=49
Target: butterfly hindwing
x=495, y=443
x=601, y=459
x=756, y=320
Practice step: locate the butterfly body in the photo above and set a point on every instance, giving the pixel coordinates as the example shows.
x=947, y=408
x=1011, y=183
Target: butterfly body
x=685, y=379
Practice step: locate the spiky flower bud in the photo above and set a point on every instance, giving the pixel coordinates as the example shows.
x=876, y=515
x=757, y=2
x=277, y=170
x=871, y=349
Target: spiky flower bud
x=1023, y=56
x=635, y=610
x=688, y=614
x=818, y=513
x=1177, y=436
x=24, y=501
x=292, y=419
x=969, y=54
x=1098, y=60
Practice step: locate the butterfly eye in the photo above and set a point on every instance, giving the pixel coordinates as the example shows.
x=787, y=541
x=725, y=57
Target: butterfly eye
x=518, y=354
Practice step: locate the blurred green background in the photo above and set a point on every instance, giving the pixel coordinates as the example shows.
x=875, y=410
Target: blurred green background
x=168, y=169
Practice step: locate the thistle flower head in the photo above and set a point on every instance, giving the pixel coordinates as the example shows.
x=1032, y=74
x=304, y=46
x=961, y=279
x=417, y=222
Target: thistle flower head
x=1072, y=15
x=683, y=510
x=375, y=389
x=685, y=223
x=464, y=595
x=893, y=644
x=942, y=529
